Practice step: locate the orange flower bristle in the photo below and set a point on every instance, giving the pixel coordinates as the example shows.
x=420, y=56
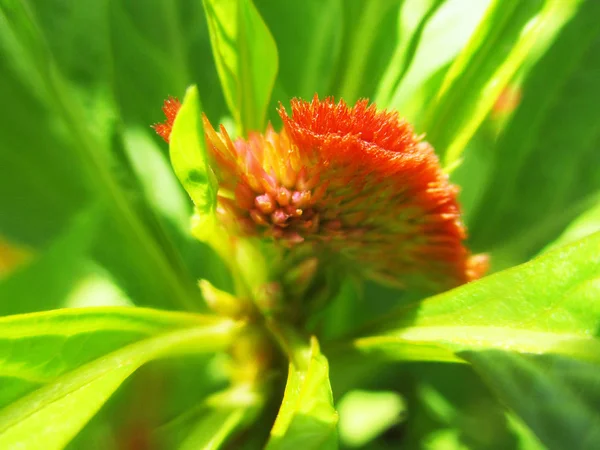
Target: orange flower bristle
x=348, y=181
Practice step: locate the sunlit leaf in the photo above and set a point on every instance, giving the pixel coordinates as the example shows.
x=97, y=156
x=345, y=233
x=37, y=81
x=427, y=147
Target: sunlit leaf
x=306, y=417
x=414, y=17
x=446, y=28
x=246, y=58
x=75, y=359
x=476, y=78
x=548, y=305
x=544, y=165
x=309, y=37
x=188, y=154
x=369, y=28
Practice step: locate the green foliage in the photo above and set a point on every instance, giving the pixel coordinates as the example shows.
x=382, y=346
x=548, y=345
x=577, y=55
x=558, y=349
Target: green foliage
x=499, y=311
x=107, y=216
x=493, y=323
x=189, y=157
x=543, y=170
x=556, y=396
x=307, y=417
x=481, y=71
x=64, y=360
x=246, y=58
x=309, y=38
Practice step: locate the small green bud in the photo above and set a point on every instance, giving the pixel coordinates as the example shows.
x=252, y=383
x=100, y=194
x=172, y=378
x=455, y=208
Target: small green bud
x=221, y=302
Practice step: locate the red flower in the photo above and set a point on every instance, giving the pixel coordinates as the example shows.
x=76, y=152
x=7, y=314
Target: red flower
x=352, y=182
x=170, y=109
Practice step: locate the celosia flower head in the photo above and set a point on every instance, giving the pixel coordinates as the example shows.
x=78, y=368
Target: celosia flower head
x=352, y=183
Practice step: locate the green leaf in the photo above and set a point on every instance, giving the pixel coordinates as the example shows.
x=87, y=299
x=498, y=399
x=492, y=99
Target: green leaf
x=556, y=397
x=414, y=17
x=46, y=282
x=544, y=165
x=73, y=360
x=246, y=58
x=545, y=306
x=307, y=418
x=148, y=57
x=189, y=156
x=191, y=165
x=445, y=28
x=309, y=37
x=526, y=438
x=169, y=208
x=481, y=71
x=369, y=28
x=74, y=156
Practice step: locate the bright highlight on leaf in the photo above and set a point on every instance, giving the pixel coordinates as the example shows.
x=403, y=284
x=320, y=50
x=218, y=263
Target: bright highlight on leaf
x=496, y=312
x=246, y=59
x=307, y=417
x=44, y=373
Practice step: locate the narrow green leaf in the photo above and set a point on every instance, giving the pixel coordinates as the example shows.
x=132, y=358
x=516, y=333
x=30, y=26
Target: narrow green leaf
x=147, y=38
x=367, y=34
x=484, y=67
x=548, y=305
x=527, y=439
x=246, y=59
x=192, y=167
x=446, y=28
x=556, y=397
x=414, y=17
x=74, y=157
x=309, y=37
x=46, y=282
x=544, y=164
x=189, y=157
x=74, y=359
x=307, y=418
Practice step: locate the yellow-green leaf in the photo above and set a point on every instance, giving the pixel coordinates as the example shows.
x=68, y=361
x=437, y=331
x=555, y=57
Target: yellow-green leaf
x=246, y=59
x=72, y=360
x=307, y=418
